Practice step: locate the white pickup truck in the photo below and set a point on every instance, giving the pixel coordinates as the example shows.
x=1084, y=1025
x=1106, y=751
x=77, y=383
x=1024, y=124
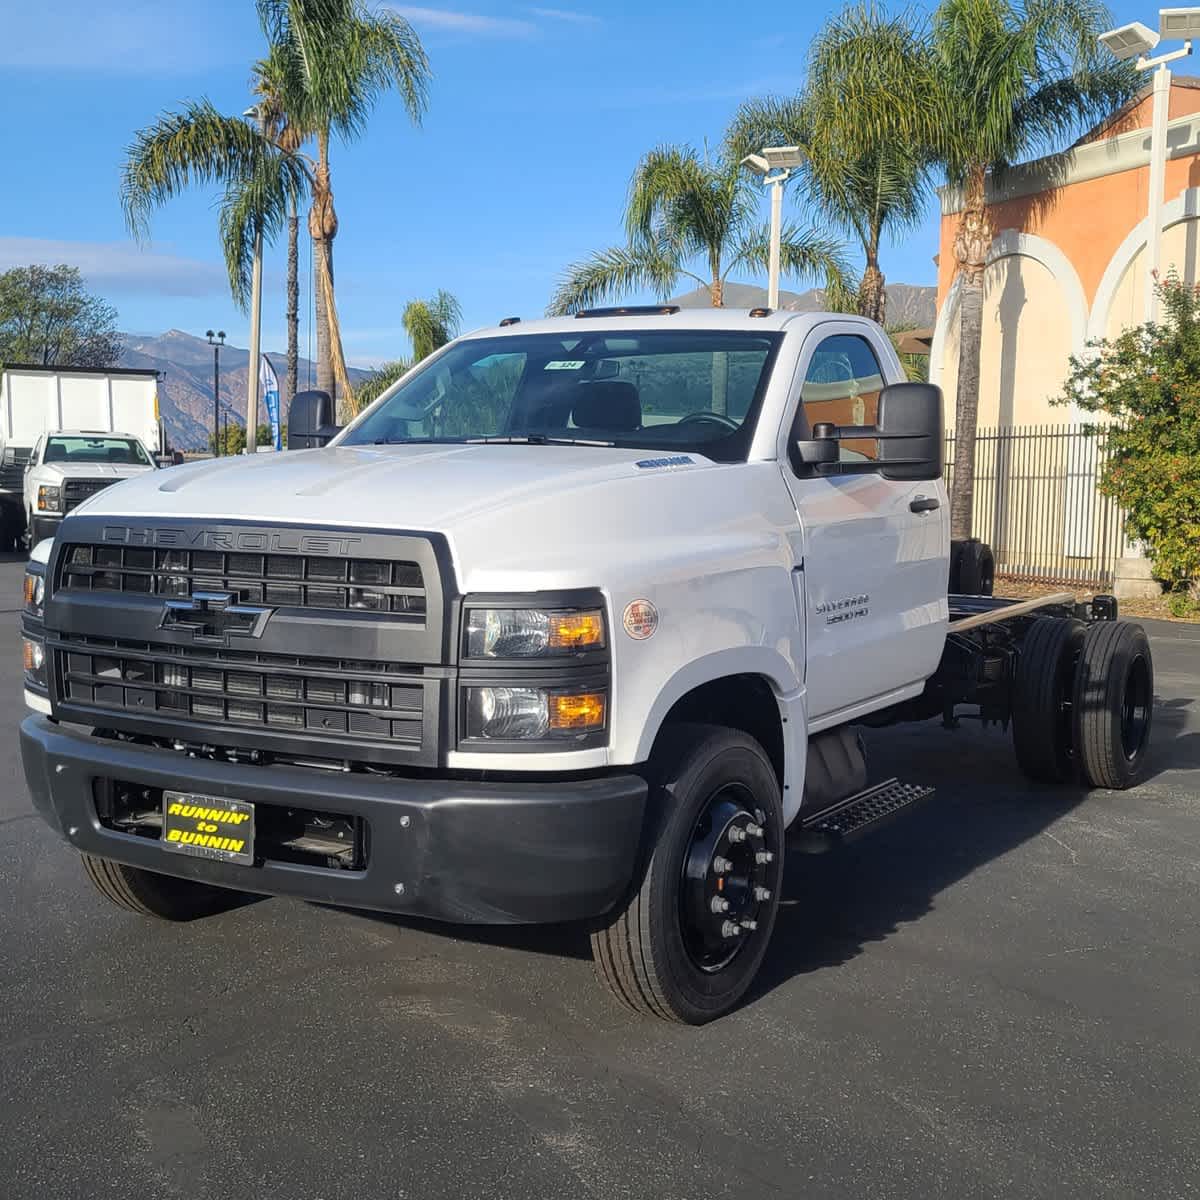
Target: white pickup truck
x=575, y=623
x=70, y=465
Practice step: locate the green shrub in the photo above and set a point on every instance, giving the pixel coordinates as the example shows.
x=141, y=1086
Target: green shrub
x=1148, y=379
x=1181, y=604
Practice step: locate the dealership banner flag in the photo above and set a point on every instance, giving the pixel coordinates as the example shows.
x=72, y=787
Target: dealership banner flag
x=269, y=386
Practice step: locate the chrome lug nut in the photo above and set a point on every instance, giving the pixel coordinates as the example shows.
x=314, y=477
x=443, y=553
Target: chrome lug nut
x=719, y=904
x=721, y=865
x=730, y=929
x=737, y=834
x=762, y=893
x=750, y=926
x=754, y=831
x=764, y=856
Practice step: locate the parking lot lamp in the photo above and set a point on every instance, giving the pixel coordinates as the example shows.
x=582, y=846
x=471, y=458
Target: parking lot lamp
x=1135, y=41
x=216, y=342
x=775, y=165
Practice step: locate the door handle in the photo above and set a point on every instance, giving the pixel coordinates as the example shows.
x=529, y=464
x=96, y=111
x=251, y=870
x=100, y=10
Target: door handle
x=924, y=504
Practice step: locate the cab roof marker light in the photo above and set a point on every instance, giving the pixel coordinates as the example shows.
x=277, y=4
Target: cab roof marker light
x=629, y=310
x=761, y=312
x=509, y=321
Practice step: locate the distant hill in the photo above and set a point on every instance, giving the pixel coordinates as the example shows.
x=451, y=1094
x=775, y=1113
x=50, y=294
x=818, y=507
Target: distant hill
x=907, y=304
x=185, y=390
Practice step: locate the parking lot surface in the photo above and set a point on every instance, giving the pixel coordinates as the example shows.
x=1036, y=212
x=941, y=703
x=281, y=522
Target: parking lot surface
x=995, y=996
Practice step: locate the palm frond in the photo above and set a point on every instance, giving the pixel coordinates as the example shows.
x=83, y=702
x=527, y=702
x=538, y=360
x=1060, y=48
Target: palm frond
x=378, y=382
x=195, y=146
x=803, y=253
x=430, y=324
x=611, y=275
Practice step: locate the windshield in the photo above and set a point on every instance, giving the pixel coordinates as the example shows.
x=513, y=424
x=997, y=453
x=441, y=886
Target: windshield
x=660, y=389
x=114, y=451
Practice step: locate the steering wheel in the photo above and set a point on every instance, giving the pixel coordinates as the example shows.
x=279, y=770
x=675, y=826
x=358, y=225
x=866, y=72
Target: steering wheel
x=716, y=418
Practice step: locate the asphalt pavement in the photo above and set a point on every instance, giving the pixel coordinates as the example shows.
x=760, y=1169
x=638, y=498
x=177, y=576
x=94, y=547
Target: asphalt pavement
x=995, y=996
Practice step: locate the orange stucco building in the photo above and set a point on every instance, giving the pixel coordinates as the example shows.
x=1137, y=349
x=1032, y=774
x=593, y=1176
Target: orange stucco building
x=1067, y=263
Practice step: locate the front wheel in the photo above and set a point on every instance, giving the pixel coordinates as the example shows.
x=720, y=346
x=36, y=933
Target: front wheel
x=150, y=894
x=690, y=940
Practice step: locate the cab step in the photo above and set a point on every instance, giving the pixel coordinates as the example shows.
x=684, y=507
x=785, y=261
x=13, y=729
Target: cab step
x=855, y=816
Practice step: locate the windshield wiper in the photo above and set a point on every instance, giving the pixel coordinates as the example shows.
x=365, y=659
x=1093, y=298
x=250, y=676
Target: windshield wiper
x=534, y=439
x=405, y=441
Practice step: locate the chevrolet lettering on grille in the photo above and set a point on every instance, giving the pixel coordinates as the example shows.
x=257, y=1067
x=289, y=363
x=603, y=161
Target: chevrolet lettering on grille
x=214, y=617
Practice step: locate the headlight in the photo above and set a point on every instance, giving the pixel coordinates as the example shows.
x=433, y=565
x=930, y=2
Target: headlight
x=49, y=499
x=533, y=632
x=523, y=713
x=33, y=653
x=35, y=593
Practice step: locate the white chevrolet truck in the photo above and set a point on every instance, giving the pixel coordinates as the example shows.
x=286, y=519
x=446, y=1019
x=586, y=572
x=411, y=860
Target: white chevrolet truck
x=578, y=622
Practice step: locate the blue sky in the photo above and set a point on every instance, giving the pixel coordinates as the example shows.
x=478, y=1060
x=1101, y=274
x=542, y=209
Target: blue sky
x=537, y=117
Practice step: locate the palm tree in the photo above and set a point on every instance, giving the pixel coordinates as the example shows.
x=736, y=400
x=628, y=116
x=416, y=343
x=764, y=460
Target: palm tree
x=289, y=137
x=875, y=187
x=336, y=58
x=375, y=384
x=199, y=146
x=685, y=209
x=980, y=86
x=430, y=324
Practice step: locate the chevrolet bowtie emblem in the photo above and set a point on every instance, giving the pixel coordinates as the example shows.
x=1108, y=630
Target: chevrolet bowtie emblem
x=214, y=617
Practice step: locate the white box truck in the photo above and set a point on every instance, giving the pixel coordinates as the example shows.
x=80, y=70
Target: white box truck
x=35, y=400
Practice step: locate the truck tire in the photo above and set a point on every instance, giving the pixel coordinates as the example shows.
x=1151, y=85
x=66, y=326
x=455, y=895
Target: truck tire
x=1113, y=704
x=715, y=837
x=150, y=894
x=976, y=569
x=1043, y=730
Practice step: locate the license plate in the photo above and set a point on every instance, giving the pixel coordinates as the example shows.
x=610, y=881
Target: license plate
x=208, y=827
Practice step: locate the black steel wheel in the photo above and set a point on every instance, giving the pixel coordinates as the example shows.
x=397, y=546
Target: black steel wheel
x=976, y=569
x=1114, y=704
x=690, y=939
x=150, y=894
x=1042, y=701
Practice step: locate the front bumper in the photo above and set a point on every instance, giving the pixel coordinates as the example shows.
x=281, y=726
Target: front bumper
x=43, y=526
x=466, y=851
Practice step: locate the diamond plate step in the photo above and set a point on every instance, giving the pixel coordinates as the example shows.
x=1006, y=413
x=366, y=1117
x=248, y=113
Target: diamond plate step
x=856, y=815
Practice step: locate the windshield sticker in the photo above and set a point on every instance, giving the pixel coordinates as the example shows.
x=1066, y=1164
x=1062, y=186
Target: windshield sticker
x=565, y=364
x=676, y=460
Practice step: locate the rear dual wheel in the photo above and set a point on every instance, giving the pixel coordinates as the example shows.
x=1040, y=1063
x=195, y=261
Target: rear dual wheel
x=688, y=943
x=1083, y=701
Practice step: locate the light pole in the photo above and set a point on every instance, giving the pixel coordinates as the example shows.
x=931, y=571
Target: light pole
x=781, y=160
x=216, y=344
x=255, y=318
x=1136, y=41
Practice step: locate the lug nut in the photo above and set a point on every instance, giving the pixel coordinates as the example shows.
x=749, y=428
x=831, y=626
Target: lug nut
x=719, y=904
x=721, y=865
x=729, y=929
x=754, y=831
x=737, y=834
x=764, y=856
x=762, y=893
x=750, y=926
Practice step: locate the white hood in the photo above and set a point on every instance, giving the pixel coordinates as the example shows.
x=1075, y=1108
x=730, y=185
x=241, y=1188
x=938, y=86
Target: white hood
x=112, y=471
x=515, y=515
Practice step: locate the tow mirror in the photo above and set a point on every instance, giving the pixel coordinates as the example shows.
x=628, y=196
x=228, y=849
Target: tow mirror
x=909, y=428
x=311, y=421
x=821, y=448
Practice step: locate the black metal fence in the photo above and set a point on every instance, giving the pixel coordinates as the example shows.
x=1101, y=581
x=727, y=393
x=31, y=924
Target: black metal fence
x=1038, y=504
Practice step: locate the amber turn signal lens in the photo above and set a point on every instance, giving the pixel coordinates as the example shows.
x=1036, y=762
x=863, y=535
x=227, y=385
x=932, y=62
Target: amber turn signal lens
x=33, y=655
x=30, y=588
x=581, y=712
x=575, y=630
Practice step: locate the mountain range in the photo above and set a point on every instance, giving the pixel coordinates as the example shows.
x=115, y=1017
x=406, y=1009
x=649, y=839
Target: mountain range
x=186, y=361
x=185, y=393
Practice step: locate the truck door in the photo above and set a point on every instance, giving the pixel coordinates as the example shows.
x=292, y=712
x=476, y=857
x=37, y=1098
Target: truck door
x=875, y=550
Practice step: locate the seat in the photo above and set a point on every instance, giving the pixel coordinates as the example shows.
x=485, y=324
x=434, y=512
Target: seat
x=611, y=405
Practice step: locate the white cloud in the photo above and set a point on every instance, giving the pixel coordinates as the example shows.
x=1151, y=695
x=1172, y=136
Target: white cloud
x=448, y=20
x=118, y=266
x=568, y=15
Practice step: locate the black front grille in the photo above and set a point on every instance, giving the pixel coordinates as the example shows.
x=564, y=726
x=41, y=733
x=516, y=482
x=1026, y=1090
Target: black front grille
x=281, y=580
x=76, y=491
x=316, y=698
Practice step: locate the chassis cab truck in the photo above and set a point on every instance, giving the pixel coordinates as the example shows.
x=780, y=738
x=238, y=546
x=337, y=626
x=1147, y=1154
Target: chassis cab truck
x=577, y=622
